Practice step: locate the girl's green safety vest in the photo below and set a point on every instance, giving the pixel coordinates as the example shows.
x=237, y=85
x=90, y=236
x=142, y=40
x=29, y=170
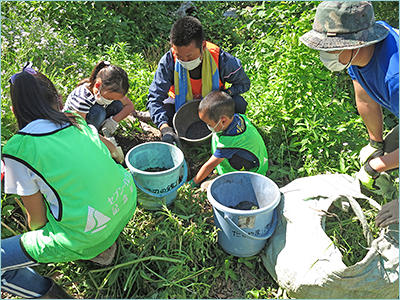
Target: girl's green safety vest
x=249, y=139
x=96, y=196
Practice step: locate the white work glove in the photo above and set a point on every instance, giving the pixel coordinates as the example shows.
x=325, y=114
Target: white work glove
x=118, y=155
x=110, y=125
x=372, y=150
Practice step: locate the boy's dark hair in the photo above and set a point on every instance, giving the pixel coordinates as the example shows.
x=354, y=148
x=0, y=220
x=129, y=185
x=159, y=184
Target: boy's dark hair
x=185, y=31
x=217, y=104
x=31, y=97
x=113, y=78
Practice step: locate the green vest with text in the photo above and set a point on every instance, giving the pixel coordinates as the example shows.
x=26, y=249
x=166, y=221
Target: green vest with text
x=96, y=197
x=248, y=139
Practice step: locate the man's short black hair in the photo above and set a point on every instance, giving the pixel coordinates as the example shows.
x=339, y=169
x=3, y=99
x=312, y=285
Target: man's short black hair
x=217, y=104
x=185, y=31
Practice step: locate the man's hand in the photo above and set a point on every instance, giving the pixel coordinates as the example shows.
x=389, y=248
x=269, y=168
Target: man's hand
x=169, y=136
x=228, y=91
x=389, y=214
x=367, y=176
x=372, y=150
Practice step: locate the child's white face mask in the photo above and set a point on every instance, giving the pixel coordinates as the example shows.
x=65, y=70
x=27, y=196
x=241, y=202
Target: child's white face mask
x=101, y=100
x=212, y=129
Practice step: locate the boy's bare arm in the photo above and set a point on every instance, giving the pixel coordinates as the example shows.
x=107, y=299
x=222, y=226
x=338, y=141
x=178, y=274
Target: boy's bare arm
x=207, y=169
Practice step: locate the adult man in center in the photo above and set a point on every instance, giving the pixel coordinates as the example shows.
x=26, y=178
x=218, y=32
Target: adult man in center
x=190, y=70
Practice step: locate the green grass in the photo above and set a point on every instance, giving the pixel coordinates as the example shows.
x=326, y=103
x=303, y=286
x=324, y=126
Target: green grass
x=345, y=230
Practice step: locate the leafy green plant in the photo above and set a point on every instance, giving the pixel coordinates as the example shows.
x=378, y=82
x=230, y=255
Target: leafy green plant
x=387, y=11
x=229, y=273
x=127, y=127
x=13, y=216
x=247, y=261
x=266, y=293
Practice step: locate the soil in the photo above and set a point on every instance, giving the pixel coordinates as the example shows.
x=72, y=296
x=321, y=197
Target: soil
x=197, y=130
x=127, y=143
x=155, y=169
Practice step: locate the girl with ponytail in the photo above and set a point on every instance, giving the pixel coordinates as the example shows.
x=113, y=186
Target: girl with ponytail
x=101, y=99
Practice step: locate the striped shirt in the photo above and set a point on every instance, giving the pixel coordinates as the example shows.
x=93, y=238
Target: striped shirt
x=81, y=100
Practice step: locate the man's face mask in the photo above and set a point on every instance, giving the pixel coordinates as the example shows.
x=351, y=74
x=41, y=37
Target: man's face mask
x=190, y=65
x=331, y=60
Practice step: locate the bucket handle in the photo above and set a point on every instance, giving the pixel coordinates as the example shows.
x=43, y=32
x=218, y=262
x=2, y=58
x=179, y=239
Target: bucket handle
x=185, y=173
x=270, y=231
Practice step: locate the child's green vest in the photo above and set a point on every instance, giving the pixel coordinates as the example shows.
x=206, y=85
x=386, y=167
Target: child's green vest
x=96, y=196
x=249, y=140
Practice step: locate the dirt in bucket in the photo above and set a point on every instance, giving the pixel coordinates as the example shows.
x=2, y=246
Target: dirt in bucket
x=197, y=130
x=155, y=169
x=245, y=205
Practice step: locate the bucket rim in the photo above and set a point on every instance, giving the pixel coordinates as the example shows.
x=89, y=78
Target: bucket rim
x=241, y=212
x=185, y=138
x=196, y=140
x=187, y=103
x=138, y=171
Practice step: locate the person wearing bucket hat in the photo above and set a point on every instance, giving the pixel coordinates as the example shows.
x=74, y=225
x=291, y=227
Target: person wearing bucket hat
x=190, y=70
x=347, y=36
x=76, y=207
x=236, y=144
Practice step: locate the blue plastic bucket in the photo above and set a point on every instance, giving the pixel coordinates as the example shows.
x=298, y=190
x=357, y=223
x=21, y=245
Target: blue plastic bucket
x=158, y=188
x=243, y=232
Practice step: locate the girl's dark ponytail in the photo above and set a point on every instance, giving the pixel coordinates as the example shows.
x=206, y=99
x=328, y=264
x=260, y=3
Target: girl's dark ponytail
x=92, y=79
x=113, y=78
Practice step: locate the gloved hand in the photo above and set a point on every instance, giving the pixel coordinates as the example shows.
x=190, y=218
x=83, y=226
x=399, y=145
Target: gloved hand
x=169, y=136
x=192, y=184
x=372, y=150
x=118, y=155
x=389, y=214
x=367, y=176
x=110, y=125
x=228, y=91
